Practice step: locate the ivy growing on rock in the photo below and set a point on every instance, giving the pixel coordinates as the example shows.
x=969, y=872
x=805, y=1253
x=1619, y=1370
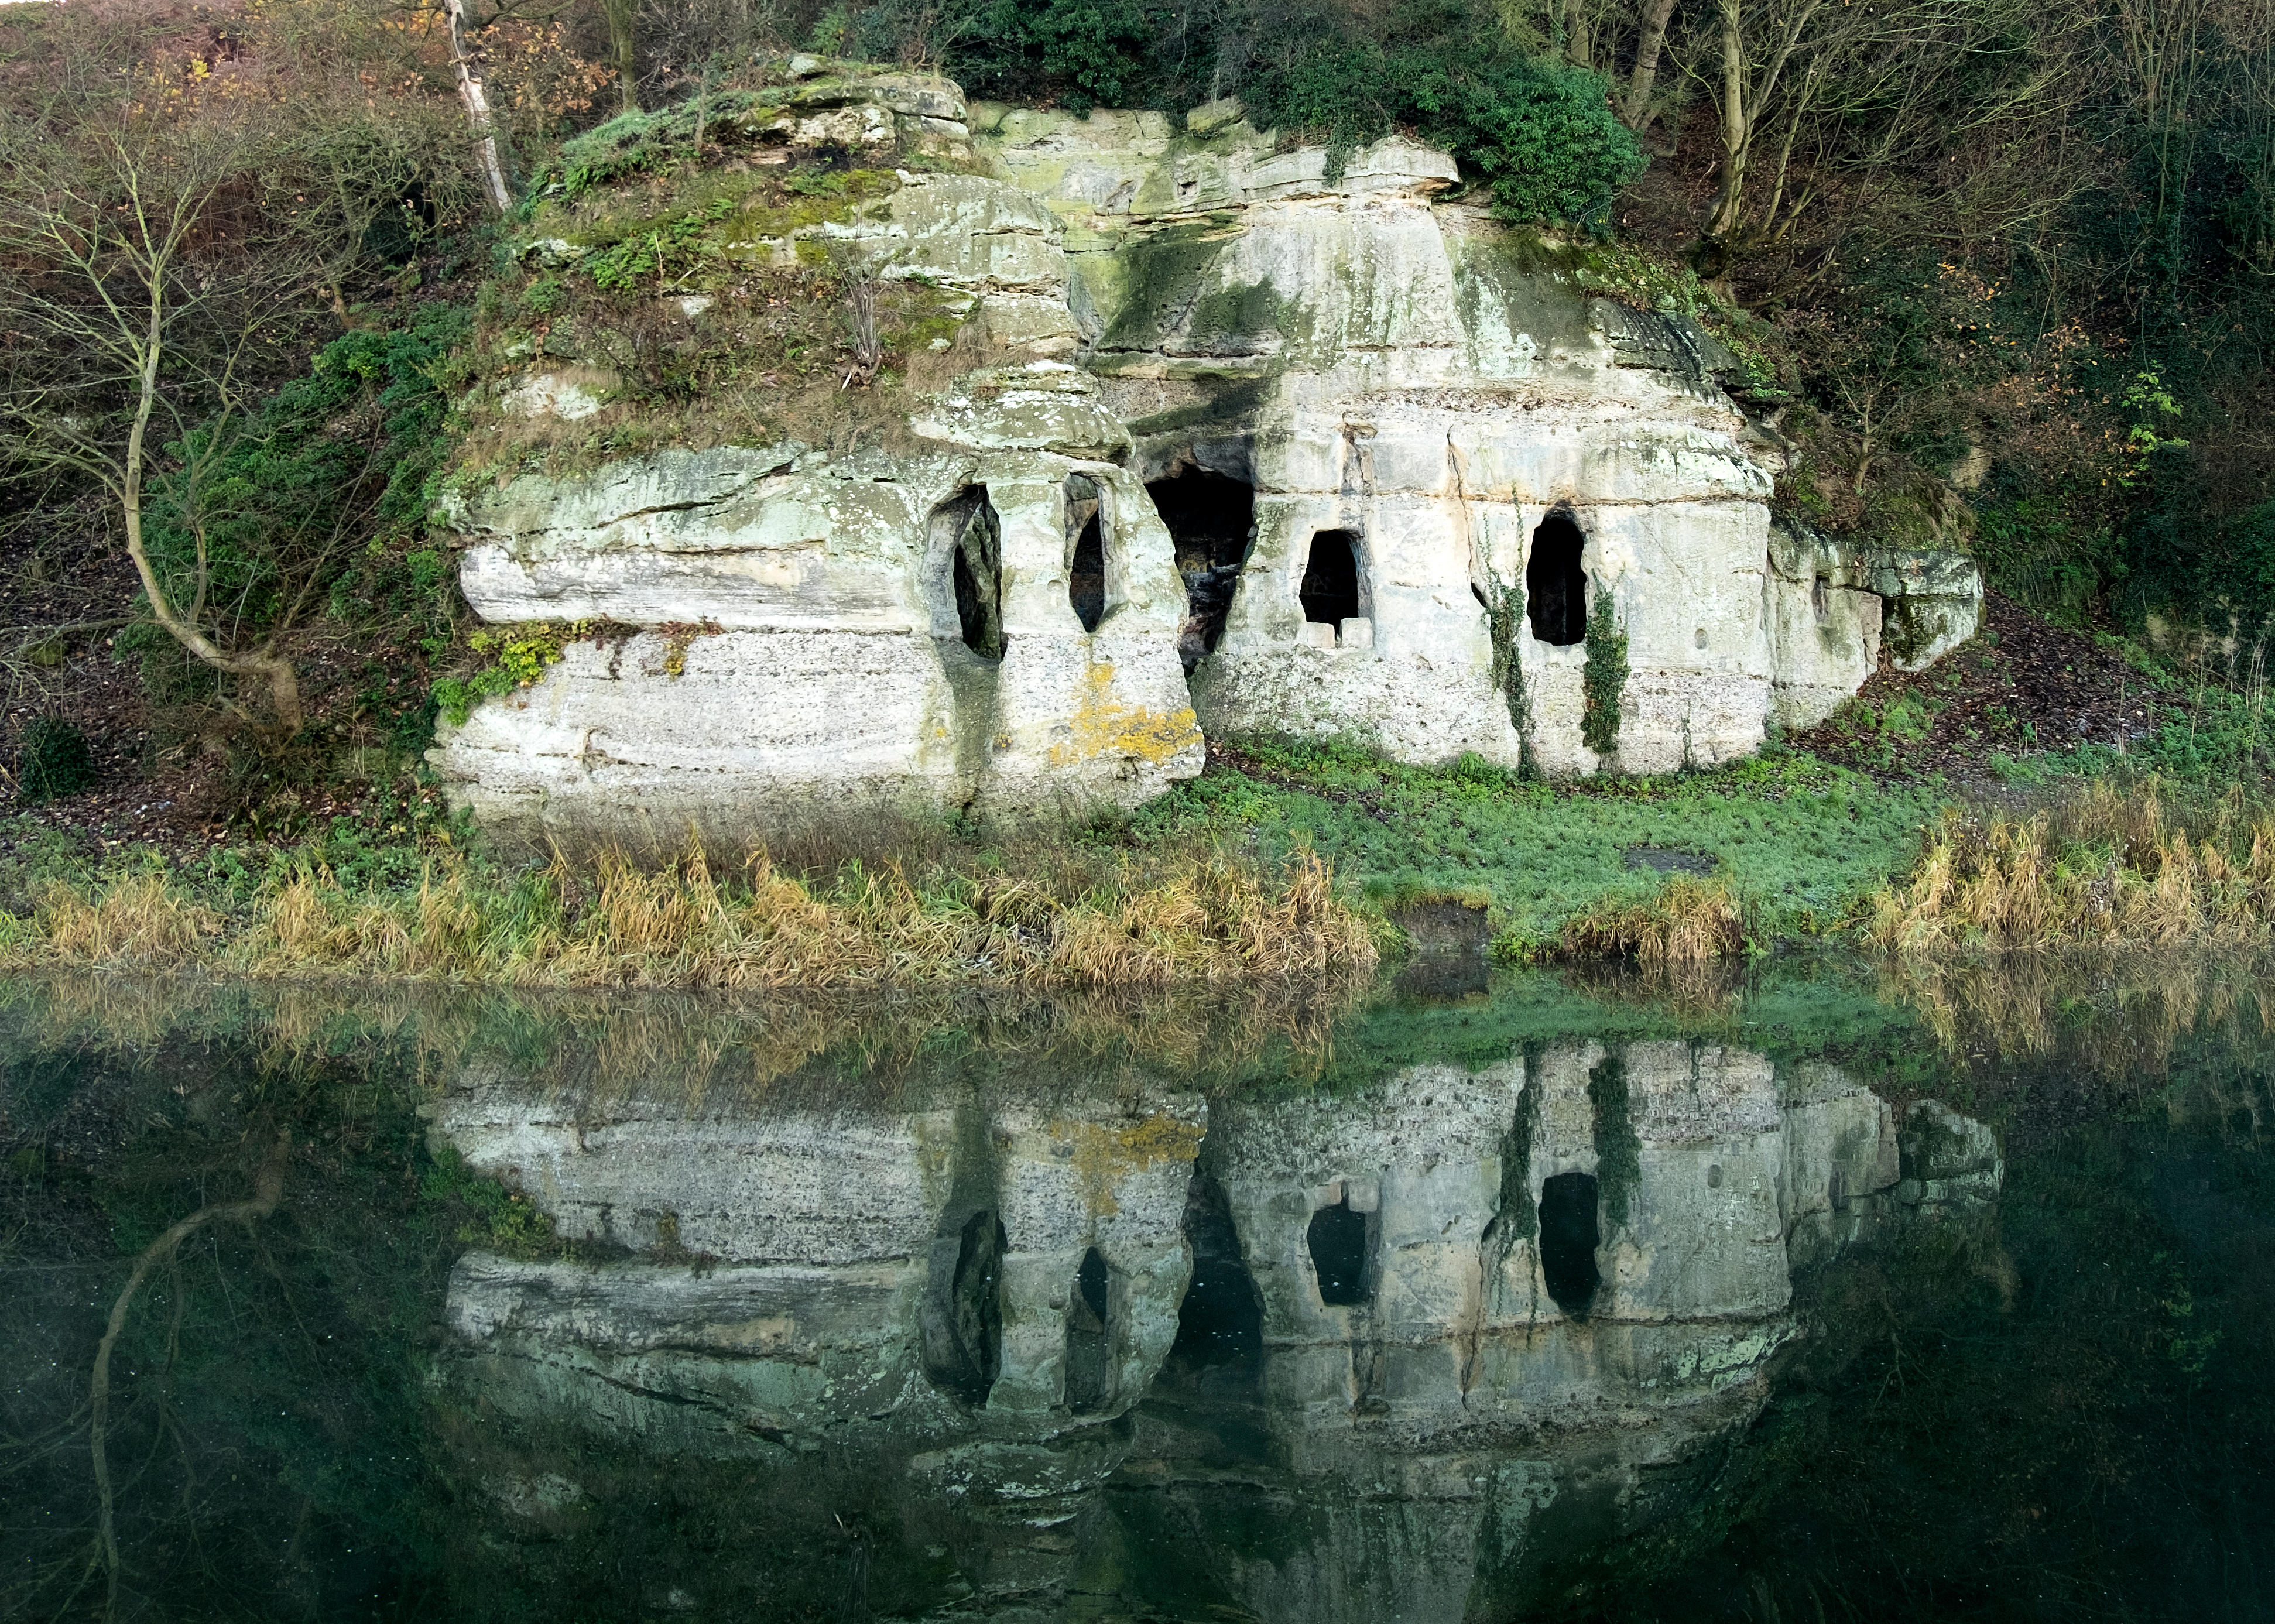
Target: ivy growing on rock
x=1504, y=621
x=1604, y=678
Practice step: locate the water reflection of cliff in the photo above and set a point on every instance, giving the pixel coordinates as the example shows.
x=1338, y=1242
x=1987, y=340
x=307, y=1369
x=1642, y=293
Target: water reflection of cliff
x=1087, y=1343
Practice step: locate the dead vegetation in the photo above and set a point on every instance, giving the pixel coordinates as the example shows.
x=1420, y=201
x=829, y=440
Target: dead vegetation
x=1123, y=922
x=1687, y=921
x=2112, y=868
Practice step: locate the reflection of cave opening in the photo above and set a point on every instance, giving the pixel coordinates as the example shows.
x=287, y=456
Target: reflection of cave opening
x=963, y=1330
x=1567, y=1241
x=1087, y=573
x=1210, y=520
x=1555, y=587
x=1338, y=1243
x=1087, y=1376
x=1222, y=1319
x=1330, y=593
x=976, y=569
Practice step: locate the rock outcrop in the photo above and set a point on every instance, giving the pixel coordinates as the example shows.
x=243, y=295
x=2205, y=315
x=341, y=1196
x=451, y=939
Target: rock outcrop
x=1257, y=445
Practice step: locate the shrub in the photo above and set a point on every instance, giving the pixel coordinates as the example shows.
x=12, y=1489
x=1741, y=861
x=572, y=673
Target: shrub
x=53, y=760
x=1536, y=133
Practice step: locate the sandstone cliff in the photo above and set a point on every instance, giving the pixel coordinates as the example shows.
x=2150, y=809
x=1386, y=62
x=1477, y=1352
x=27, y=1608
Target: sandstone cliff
x=1217, y=436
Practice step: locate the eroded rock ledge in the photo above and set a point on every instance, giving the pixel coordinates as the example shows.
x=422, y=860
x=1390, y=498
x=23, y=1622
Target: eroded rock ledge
x=1254, y=449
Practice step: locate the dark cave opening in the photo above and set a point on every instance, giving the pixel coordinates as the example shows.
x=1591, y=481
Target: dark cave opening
x=975, y=572
x=1337, y=1239
x=962, y=1328
x=1330, y=595
x=1220, y=1322
x=1211, y=518
x=1555, y=587
x=1569, y=1238
x=1086, y=571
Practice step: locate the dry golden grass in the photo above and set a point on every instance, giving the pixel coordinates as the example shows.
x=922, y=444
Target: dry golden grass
x=1686, y=921
x=138, y=922
x=1200, y=918
x=2109, y=869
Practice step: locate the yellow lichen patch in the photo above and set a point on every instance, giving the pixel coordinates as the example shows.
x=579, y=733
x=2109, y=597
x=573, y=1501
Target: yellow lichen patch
x=1104, y=1154
x=1102, y=725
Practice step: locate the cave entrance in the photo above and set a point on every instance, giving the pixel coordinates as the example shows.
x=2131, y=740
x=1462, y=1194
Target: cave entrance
x=1089, y=1378
x=1337, y=1238
x=962, y=1328
x=1086, y=521
x=1211, y=523
x=1220, y=1322
x=1330, y=595
x=1569, y=1237
x=967, y=524
x=1555, y=587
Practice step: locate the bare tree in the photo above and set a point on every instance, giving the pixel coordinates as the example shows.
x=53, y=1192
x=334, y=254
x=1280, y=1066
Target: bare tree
x=1792, y=79
x=136, y=304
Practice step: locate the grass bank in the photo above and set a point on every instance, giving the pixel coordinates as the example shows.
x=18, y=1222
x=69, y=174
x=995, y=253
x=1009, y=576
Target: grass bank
x=1283, y=861
x=1067, y=918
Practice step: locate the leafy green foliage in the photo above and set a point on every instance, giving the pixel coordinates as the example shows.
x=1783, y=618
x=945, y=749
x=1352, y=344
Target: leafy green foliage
x=515, y=656
x=1099, y=49
x=324, y=496
x=1534, y=133
x=1604, y=678
x=53, y=759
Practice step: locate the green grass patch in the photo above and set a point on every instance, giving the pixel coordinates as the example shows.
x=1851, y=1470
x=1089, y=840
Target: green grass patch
x=1798, y=839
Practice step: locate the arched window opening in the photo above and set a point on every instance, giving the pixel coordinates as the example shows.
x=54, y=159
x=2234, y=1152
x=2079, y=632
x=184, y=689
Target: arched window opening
x=975, y=571
x=1555, y=587
x=1089, y=1374
x=964, y=1326
x=1338, y=1243
x=1569, y=1238
x=1330, y=595
x=1211, y=523
x=1220, y=1322
x=1086, y=574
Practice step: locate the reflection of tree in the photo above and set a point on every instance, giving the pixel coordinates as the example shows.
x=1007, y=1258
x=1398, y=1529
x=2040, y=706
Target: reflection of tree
x=268, y=1190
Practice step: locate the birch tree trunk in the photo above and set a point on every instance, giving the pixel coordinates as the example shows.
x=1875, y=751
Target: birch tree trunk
x=478, y=109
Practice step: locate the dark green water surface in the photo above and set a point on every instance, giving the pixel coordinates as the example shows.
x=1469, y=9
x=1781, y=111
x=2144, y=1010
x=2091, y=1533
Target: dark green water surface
x=1825, y=1291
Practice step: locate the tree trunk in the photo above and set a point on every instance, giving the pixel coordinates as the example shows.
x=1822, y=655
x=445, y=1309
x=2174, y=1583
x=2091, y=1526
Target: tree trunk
x=1737, y=135
x=1635, y=110
x=620, y=16
x=271, y=667
x=478, y=110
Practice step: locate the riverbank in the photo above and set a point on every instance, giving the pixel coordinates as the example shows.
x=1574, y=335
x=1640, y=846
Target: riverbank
x=2039, y=788
x=1281, y=861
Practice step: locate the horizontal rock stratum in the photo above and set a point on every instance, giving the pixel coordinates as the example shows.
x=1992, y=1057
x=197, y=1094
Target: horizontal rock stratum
x=1257, y=445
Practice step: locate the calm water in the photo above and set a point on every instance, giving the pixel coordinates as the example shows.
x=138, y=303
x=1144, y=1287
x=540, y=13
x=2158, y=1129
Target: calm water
x=1798, y=1293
